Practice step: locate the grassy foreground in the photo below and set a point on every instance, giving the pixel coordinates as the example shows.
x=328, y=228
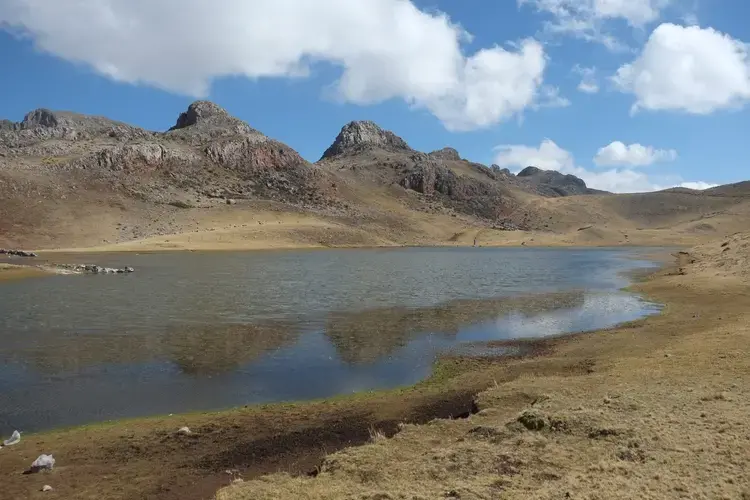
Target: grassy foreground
x=652, y=409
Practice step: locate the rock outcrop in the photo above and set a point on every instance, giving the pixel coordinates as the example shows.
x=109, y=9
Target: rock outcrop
x=92, y=269
x=17, y=253
x=359, y=135
x=43, y=124
x=554, y=183
x=501, y=171
x=204, y=121
x=446, y=154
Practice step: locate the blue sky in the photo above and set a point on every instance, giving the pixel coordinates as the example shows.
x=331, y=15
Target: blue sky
x=504, y=81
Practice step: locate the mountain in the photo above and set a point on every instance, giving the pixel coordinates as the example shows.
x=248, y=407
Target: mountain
x=212, y=180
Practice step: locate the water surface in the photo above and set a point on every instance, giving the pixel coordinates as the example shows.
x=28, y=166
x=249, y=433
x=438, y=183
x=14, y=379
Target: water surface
x=198, y=331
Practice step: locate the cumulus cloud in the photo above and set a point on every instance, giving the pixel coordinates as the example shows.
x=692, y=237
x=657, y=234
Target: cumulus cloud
x=588, y=83
x=547, y=156
x=385, y=48
x=633, y=155
x=688, y=68
x=550, y=156
x=587, y=19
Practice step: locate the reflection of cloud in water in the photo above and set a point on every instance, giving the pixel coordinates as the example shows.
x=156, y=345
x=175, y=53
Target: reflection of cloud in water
x=597, y=311
x=362, y=337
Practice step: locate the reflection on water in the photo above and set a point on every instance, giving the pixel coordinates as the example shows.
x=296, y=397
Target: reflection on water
x=206, y=331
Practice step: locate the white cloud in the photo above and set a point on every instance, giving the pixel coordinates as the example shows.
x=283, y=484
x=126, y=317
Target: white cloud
x=386, y=49
x=587, y=19
x=549, y=97
x=688, y=69
x=588, y=83
x=550, y=156
x=699, y=186
x=633, y=155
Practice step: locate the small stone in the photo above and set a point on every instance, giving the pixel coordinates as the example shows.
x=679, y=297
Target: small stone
x=47, y=487
x=184, y=430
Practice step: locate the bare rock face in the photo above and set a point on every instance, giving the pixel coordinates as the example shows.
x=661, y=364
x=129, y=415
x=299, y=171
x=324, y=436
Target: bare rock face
x=501, y=171
x=449, y=154
x=430, y=176
x=201, y=112
x=204, y=122
x=359, y=135
x=554, y=183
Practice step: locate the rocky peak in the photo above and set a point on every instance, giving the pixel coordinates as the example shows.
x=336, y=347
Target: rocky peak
x=41, y=117
x=199, y=112
x=357, y=135
x=446, y=154
x=529, y=172
x=205, y=121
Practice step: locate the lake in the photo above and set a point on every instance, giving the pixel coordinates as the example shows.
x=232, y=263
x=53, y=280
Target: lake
x=200, y=330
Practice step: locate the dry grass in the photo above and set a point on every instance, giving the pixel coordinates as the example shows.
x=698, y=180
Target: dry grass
x=659, y=413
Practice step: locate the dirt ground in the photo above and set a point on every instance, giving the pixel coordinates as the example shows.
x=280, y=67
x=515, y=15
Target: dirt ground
x=652, y=409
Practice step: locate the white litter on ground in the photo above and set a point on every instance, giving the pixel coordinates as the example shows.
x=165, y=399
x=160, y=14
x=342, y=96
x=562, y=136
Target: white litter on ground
x=43, y=462
x=15, y=438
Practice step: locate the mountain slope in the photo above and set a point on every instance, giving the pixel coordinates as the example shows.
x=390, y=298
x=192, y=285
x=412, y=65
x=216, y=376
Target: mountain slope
x=212, y=181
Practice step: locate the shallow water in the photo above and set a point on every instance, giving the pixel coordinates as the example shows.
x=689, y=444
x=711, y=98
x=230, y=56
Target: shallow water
x=198, y=331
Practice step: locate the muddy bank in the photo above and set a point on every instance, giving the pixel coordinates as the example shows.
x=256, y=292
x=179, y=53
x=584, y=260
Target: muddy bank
x=150, y=459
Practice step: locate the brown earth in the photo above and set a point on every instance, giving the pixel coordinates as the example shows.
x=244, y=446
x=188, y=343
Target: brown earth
x=650, y=409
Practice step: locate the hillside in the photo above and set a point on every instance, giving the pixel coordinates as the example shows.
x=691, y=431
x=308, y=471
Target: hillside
x=212, y=181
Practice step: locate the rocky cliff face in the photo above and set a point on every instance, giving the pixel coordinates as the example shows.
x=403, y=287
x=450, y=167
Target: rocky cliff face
x=360, y=135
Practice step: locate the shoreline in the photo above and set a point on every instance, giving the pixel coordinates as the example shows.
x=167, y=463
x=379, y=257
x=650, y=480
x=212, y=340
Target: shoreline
x=641, y=410
x=125, y=248
x=328, y=448
x=280, y=428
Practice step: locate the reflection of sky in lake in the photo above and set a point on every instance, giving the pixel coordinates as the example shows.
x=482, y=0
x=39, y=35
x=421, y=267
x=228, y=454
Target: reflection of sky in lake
x=89, y=365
